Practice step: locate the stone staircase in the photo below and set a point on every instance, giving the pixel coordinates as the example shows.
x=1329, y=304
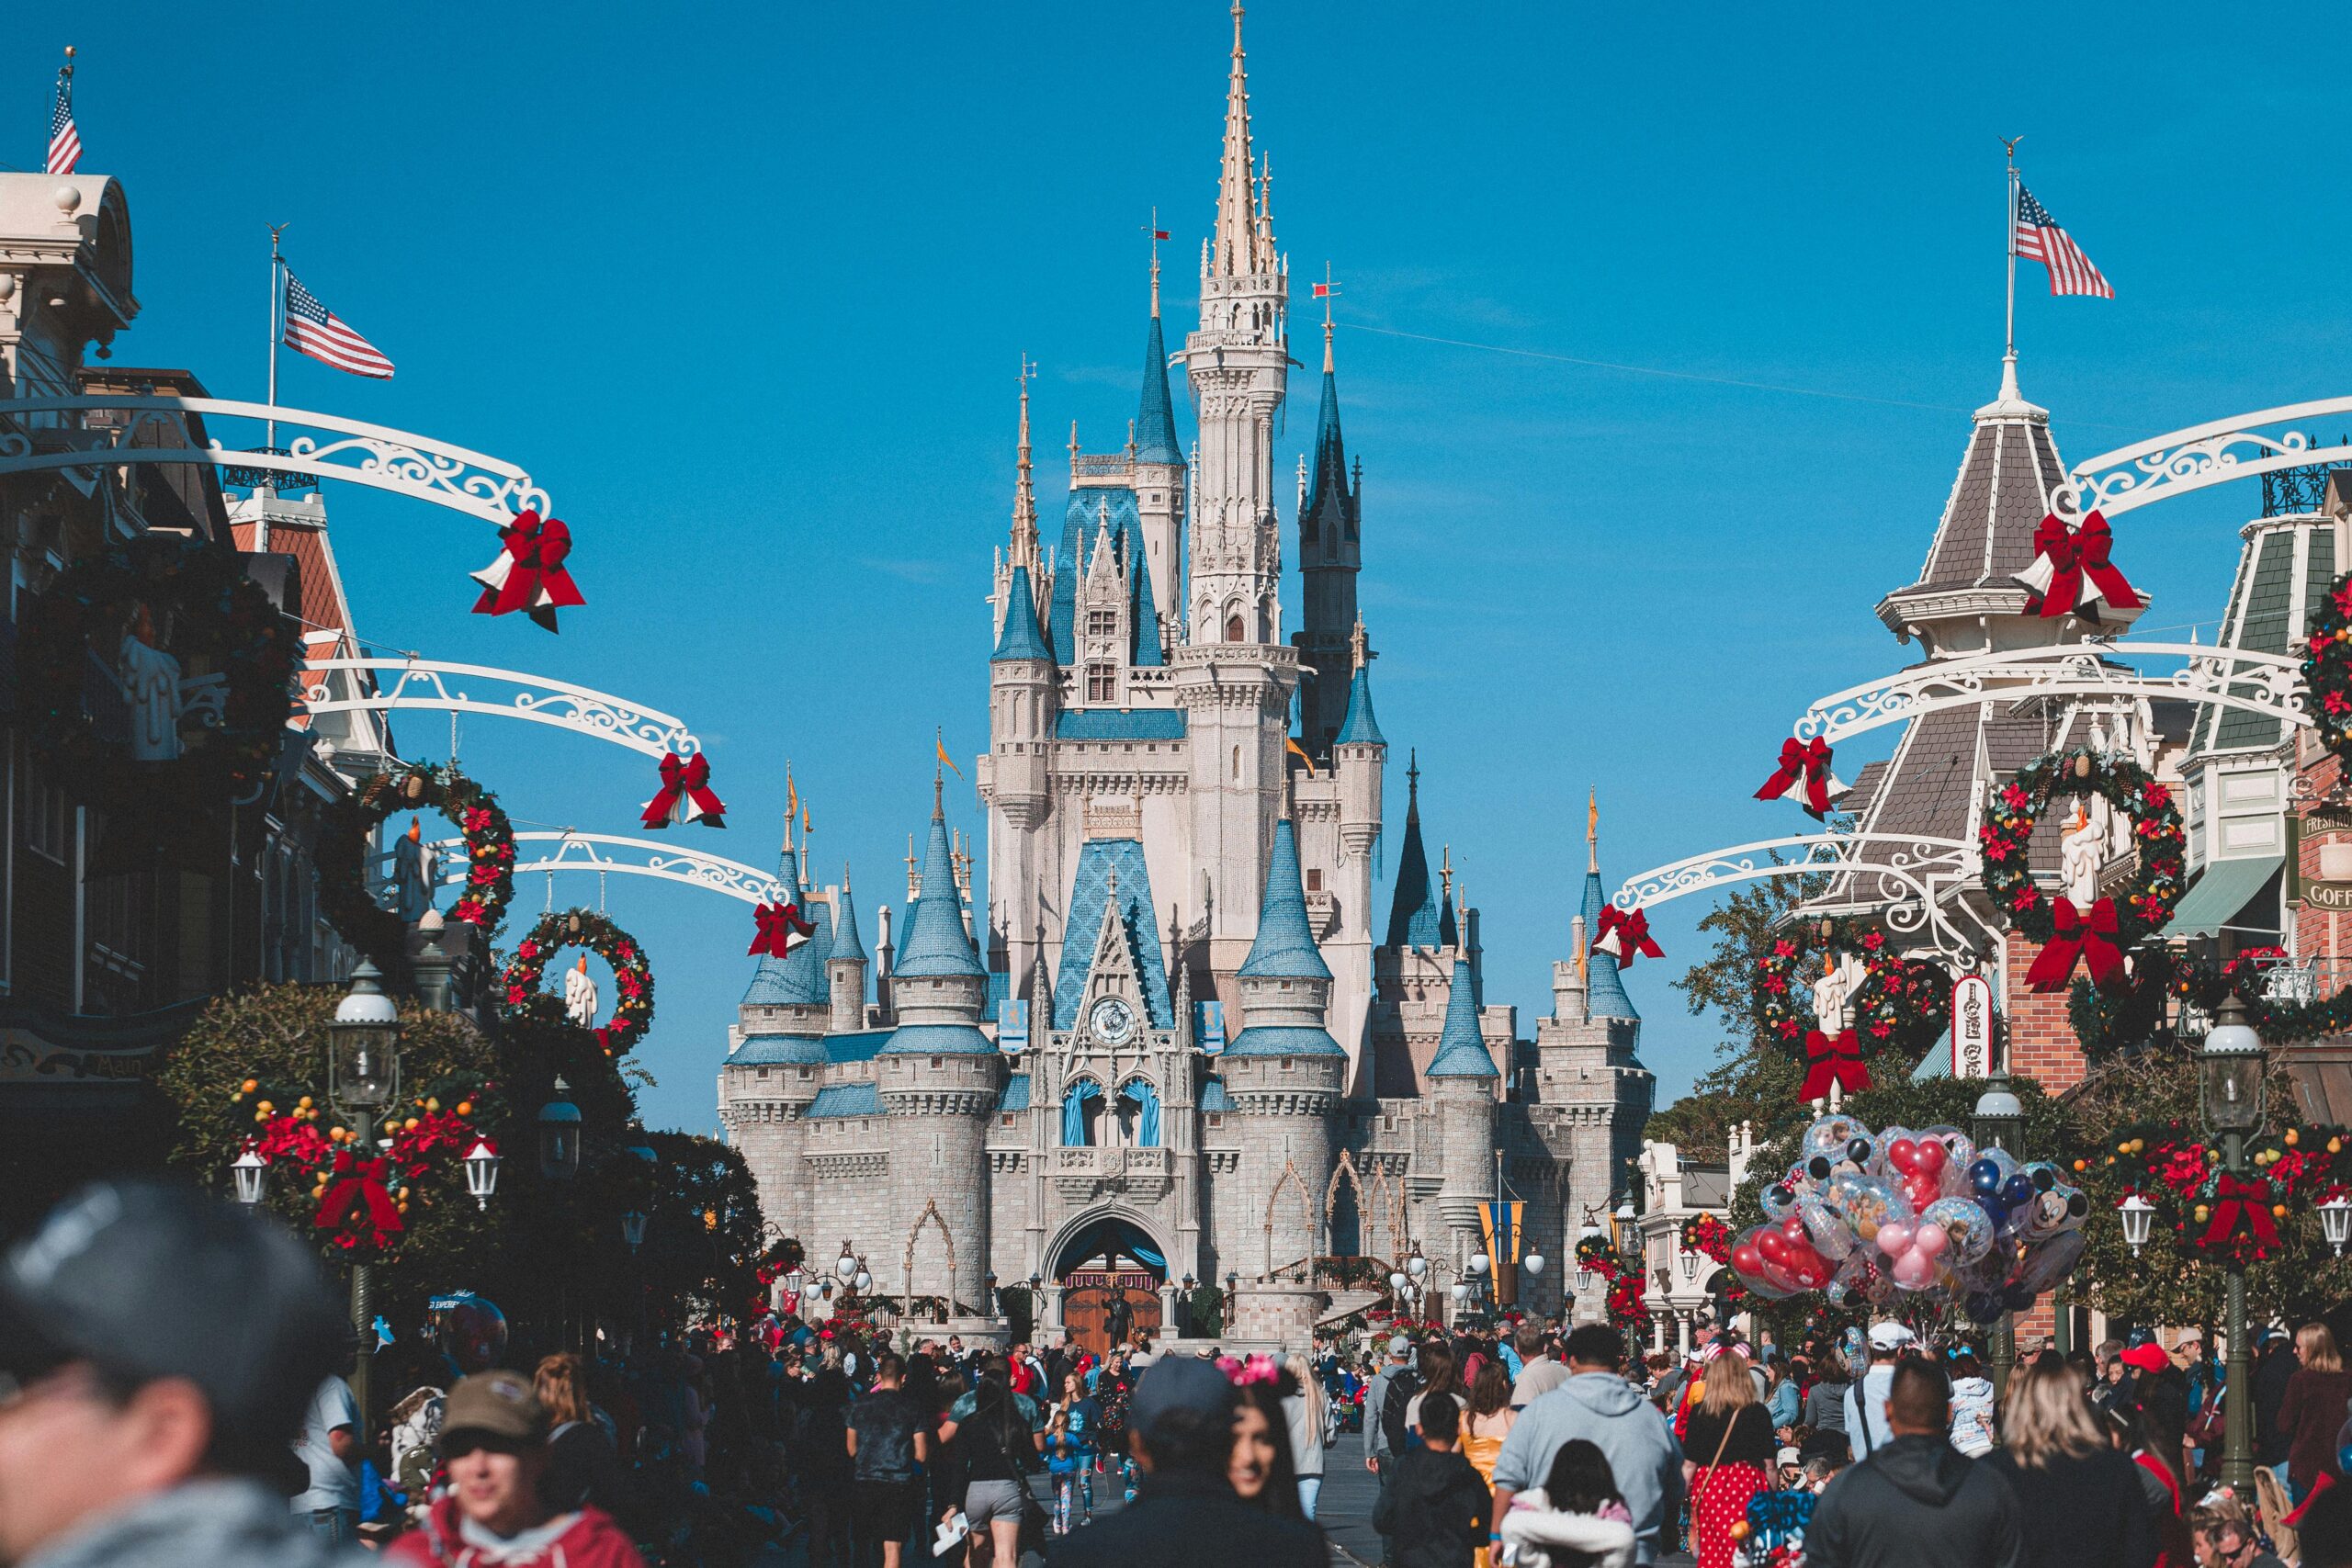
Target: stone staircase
x=1346, y=1303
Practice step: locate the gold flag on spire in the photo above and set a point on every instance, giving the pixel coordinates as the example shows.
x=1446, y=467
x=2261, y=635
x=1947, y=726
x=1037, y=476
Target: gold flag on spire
x=1296, y=749
x=939, y=739
x=791, y=797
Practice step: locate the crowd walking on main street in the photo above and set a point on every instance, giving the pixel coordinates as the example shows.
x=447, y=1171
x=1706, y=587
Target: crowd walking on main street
x=172, y=1392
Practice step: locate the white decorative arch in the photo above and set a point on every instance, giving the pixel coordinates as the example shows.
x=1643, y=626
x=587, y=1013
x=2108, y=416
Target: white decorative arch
x=407, y=684
x=610, y=853
x=1921, y=872
x=375, y=455
x=2270, y=685
x=2204, y=454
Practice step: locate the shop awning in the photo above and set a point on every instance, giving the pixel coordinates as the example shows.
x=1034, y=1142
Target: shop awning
x=2221, y=895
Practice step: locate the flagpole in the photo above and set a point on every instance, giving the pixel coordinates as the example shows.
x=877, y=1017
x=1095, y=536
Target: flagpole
x=2009, y=333
x=276, y=301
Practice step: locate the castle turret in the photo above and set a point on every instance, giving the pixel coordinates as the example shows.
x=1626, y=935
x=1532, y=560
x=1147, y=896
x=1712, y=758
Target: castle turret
x=938, y=1080
x=776, y=1066
x=1015, y=779
x=1283, y=1070
x=1159, y=474
x=845, y=965
x=1330, y=555
x=1463, y=1078
x=1359, y=767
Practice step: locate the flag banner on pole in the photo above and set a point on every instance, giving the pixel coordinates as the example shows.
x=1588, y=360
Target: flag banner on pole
x=65, y=140
x=945, y=759
x=1291, y=745
x=1322, y=292
x=1160, y=233
x=312, y=328
x=1498, y=1223
x=2039, y=238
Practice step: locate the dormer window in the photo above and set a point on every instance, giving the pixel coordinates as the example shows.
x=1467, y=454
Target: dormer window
x=1102, y=683
x=1103, y=623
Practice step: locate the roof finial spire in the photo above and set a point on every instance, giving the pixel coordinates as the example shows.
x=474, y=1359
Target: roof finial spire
x=1413, y=779
x=791, y=802
x=1326, y=291
x=1073, y=448
x=1592, y=830
x=1241, y=247
x=1156, y=234
x=1359, y=647
x=939, y=777
x=1025, y=491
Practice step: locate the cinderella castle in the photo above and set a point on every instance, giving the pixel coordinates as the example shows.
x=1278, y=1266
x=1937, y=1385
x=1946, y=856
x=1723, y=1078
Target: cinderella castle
x=1181, y=1040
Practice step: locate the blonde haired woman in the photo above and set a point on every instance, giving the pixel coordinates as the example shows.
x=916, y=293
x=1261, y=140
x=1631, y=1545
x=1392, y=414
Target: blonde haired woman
x=2079, y=1499
x=2313, y=1408
x=1731, y=1427
x=583, y=1468
x=1303, y=1413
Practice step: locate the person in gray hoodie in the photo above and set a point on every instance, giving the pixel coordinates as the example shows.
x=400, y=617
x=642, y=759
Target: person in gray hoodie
x=156, y=1351
x=1598, y=1405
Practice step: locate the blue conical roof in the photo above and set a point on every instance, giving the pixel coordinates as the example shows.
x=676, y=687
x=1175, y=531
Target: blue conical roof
x=1327, y=501
x=799, y=978
x=1460, y=1049
x=936, y=942
x=1156, y=418
x=847, y=942
x=1285, y=948
x=1022, y=636
x=1412, y=914
x=1359, y=727
x=1604, y=989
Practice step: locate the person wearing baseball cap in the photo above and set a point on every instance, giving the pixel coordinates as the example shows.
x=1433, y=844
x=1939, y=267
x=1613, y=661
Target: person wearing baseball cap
x=494, y=1446
x=157, y=1350
x=1180, y=1429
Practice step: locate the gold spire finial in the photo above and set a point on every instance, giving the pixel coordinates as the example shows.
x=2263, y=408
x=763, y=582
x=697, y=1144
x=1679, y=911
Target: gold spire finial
x=1024, y=490
x=1592, y=830
x=1242, y=247
x=1359, y=647
x=1445, y=870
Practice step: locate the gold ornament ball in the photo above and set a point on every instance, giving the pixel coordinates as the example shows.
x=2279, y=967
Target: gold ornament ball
x=267, y=1108
x=2291, y=1137
x=2278, y=1211
x=304, y=1102
x=234, y=1098
x=433, y=1105
x=2203, y=1213
x=250, y=1085
x=464, y=1108
x=261, y=1115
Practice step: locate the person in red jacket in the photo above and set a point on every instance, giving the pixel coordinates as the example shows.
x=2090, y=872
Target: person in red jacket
x=494, y=1446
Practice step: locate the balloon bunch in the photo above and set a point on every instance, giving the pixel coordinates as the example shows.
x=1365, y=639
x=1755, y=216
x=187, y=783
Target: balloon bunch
x=1881, y=1216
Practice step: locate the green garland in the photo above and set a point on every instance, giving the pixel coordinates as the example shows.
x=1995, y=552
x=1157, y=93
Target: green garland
x=1903, y=1004
x=218, y=622
x=2014, y=807
x=350, y=832
x=632, y=976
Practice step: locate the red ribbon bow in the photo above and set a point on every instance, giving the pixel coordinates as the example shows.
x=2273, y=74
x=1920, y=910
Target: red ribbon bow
x=2087, y=935
x=781, y=929
x=359, y=1183
x=1828, y=1061
x=2074, y=555
x=2240, y=1199
x=685, y=779
x=529, y=575
x=1809, y=760
x=1623, y=936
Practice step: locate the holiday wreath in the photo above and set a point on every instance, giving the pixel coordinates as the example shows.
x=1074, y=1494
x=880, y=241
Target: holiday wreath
x=1901, y=1005
x=632, y=976
x=2096, y=936
x=1708, y=1235
x=350, y=832
x=185, y=641
x=2327, y=670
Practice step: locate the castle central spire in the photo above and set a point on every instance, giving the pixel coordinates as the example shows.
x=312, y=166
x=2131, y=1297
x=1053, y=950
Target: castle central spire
x=1244, y=247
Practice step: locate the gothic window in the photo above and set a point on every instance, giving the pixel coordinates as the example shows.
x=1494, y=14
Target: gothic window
x=1082, y=1114
x=1315, y=879
x=1102, y=683
x=1103, y=623
x=1235, y=629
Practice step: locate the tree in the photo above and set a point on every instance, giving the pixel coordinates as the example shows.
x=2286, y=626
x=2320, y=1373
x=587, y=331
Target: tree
x=704, y=1233
x=1756, y=1080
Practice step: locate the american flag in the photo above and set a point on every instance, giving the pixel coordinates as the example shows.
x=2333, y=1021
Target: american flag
x=2039, y=238
x=312, y=328
x=65, y=141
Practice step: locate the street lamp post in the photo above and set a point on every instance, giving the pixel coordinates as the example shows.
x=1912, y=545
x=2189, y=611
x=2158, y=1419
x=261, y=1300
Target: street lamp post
x=1633, y=1257
x=2231, y=1069
x=363, y=1076
x=2000, y=1124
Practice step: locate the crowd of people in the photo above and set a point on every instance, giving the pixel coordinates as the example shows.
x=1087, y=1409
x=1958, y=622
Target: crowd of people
x=171, y=1393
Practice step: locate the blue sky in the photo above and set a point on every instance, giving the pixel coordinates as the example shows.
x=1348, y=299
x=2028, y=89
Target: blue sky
x=746, y=287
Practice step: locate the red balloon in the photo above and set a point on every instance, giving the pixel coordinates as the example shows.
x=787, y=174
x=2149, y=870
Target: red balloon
x=1902, y=1154
x=1792, y=1226
x=1748, y=1260
x=1773, y=1246
x=1930, y=1155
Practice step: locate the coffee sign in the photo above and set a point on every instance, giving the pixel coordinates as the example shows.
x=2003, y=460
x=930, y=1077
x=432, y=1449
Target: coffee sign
x=1971, y=1027
x=2329, y=896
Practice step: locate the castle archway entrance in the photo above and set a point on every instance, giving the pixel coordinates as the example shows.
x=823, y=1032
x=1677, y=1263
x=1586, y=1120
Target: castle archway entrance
x=1109, y=1272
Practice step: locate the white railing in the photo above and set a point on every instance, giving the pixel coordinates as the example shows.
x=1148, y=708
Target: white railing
x=2215, y=453
x=609, y=854
x=432, y=684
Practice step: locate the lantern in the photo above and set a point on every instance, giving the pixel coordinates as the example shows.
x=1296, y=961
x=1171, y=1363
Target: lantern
x=1397, y=1279
x=559, y=1135
x=2230, y=1071
x=251, y=1173
x=1629, y=1233
x=845, y=1265
x=2138, y=1216
x=2335, y=1222
x=1461, y=1291
x=1533, y=1263
x=481, y=1172
x=1417, y=1265
x=363, y=1044
x=1478, y=1263
x=633, y=1228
